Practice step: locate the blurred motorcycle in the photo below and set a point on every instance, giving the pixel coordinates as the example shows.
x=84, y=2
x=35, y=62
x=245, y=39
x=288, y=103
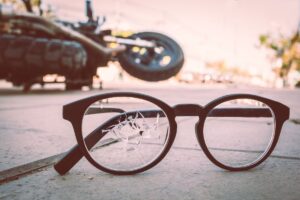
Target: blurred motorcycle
x=32, y=46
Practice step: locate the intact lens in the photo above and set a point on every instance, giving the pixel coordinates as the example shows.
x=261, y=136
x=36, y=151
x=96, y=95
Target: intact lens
x=239, y=132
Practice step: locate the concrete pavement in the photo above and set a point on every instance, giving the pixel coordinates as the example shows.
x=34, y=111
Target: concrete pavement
x=32, y=128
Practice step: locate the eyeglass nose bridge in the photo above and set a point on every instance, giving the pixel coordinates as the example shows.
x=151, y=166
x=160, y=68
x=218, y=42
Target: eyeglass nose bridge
x=187, y=110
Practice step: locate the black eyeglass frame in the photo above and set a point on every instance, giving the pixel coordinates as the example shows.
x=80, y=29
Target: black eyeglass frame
x=74, y=112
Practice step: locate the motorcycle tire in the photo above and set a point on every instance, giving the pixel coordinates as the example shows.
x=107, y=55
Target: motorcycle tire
x=148, y=64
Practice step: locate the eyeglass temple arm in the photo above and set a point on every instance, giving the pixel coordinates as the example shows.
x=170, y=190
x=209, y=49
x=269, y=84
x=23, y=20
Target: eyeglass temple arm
x=75, y=154
x=240, y=112
x=97, y=110
x=196, y=110
x=183, y=110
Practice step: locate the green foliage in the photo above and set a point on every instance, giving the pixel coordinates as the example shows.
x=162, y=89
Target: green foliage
x=285, y=48
x=263, y=39
x=35, y=2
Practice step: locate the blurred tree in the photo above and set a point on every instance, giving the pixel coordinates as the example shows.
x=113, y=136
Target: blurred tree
x=223, y=68
x=19, y=6
x=286, y=49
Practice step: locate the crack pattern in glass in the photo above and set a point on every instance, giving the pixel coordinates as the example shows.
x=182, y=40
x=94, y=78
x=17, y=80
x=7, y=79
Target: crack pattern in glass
x=133, y=130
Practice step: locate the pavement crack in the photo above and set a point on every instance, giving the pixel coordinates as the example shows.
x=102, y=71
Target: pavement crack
x=295, y=121
x=29, y=168
x=238, y=150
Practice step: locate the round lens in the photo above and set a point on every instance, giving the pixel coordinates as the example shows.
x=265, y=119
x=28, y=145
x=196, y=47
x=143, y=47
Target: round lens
x=239, y=132
x=125, y=133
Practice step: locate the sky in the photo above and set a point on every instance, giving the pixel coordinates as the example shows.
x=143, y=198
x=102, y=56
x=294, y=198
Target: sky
x=208, y=30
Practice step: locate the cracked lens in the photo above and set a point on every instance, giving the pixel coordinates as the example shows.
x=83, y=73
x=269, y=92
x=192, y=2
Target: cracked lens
x=133, y=131
x=135, y=137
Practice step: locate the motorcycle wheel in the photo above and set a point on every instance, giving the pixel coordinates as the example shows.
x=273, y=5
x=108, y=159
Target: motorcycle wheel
x=153, y=64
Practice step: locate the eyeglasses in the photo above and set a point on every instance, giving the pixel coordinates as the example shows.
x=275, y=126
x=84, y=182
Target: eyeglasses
x=126, y=133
